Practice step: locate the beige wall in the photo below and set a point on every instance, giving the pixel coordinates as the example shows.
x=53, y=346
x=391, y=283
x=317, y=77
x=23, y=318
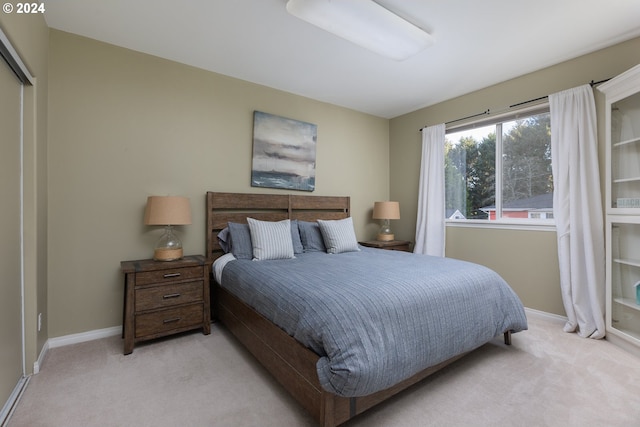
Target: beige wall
x=124, y=125
x=533, y=273
x=517, y=256
x=29, y=35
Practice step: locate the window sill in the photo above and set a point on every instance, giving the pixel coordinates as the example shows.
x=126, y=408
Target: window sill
x=530, y=225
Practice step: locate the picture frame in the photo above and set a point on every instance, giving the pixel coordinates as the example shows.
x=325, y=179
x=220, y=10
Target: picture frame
x=284, y=153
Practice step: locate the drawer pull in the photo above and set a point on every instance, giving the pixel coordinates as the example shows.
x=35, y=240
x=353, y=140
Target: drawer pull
x=170, y=296
x=169, y=275
x=175, y=319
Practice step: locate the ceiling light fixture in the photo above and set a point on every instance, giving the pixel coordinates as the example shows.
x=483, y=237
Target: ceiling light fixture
x=364, y=23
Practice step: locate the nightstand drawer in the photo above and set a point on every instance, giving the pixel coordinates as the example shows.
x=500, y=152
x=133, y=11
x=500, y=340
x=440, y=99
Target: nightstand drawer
x=167, y=295
x=169, y=275
x=159, y=322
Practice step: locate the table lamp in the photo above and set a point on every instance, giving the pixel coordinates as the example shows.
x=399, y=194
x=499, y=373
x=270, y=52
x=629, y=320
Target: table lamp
x=167, y=211
x=386, y=211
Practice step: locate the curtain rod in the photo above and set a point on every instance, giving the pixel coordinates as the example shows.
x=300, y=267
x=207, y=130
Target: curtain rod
x=592, y=83
x=486, y=112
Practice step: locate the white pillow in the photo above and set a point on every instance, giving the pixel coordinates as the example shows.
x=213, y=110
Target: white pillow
x=338, y=235
x=271, y=240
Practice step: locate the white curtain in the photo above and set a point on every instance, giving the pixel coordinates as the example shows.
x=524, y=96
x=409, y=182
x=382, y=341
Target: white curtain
x=577, y=209
x=430, y=223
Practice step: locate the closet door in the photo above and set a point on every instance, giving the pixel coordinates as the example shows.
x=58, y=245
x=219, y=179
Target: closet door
x=11, y=366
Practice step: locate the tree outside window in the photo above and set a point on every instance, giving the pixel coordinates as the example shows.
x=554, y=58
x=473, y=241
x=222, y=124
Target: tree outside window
x=521, y=149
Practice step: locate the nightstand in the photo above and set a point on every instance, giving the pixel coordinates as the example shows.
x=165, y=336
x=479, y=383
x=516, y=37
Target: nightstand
x=391, y=245
x=164, y=297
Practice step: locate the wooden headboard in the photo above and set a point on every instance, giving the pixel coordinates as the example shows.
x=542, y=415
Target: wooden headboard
x=236, y=207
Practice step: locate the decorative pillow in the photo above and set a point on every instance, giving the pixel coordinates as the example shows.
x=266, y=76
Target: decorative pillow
x=311, y=237
x=295, y=238
x=271, y=240
x=240, y=242
x=339, y=235
x=224, y=240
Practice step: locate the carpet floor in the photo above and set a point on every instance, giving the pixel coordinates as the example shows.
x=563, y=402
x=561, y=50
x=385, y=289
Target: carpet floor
x=546, y=378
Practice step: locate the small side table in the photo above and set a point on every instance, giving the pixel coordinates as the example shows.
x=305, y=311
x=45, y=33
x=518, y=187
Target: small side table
x=390, y=245
x=164, y=297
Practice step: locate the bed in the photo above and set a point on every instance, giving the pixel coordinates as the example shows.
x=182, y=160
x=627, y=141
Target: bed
x=310, y=366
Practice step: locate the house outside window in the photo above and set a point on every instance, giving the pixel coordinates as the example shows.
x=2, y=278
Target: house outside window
x=519, y=147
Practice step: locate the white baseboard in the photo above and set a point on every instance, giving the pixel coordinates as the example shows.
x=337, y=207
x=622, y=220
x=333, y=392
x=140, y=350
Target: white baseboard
x=38, y=363
x=84, y=336
x=117, y=330
x=74, y=339
x=546, y=315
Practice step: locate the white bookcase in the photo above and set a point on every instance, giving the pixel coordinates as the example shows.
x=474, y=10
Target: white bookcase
x=623, y=206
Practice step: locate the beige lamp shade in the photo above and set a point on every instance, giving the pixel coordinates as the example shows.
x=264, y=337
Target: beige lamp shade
x=386, y=210
x=167, y=210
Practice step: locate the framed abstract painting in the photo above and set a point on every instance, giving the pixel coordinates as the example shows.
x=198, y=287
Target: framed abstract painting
x=284, y=153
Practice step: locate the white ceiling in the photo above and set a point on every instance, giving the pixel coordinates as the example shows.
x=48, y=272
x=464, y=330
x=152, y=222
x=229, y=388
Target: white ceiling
x=477, y=43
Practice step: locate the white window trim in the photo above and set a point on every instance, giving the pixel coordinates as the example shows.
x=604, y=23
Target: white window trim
x=530, y=224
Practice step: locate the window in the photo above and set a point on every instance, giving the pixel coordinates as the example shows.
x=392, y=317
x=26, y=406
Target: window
x=520, y=149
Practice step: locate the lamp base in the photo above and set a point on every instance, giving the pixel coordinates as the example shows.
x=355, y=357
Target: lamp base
x=167, y=254
x=169, y=247
x=385, y=237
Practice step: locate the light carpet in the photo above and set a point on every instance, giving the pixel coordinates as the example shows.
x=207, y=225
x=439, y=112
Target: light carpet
x=546, y=378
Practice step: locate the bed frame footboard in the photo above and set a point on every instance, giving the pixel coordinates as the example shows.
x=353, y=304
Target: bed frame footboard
x=294, y=366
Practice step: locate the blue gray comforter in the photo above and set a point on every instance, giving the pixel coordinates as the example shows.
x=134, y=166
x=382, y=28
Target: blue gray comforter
x=377, y=317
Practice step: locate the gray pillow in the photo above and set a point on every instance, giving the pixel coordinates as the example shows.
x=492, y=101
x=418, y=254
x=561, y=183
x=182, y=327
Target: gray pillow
x=339, y=235
x=224, y=240
x=295, y=237
x=240, y=243
x=271, y=240
x=311, y=237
